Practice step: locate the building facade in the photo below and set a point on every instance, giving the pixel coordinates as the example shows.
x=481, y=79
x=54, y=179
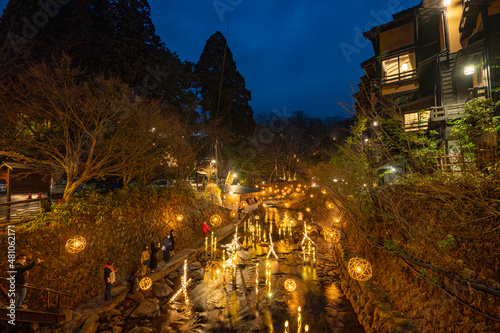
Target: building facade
x=429, y=61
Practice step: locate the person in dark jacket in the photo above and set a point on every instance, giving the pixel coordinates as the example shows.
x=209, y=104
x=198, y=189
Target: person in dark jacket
x=172, y=241
x=133, y=278
x=21, y=278
x=166, y=248
x=109, y=278
x=153, y=262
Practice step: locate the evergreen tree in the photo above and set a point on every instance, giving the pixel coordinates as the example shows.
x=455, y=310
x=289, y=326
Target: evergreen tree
x=234, y=115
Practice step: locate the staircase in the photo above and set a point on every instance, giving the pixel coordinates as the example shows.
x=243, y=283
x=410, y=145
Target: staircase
x=447, y=65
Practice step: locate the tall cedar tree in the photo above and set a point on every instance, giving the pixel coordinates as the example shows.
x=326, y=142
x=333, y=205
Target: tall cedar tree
x=114, y=37
x=235, y=115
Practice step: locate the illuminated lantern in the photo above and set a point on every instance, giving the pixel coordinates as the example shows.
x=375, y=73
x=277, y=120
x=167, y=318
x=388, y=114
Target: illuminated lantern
x=323, y=191
x=287, y=205
x=290, y=284
x=145, y=283
x=251, y=228
x=233, y=213
x=332, y=235
x=257, y=217
x=75, y=244
x=213, y=274
x=329, y=205
x=179, y=217
x=308, y=209
x=215, y=220
x=359, y=269
x=312, y=195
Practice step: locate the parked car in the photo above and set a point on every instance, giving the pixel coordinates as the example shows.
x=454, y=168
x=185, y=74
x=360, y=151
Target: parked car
x=3, y=185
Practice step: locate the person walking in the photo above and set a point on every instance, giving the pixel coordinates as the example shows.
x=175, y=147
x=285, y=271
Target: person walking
x=172, y=241
x=205, y=228
x=133, y=278
x=153, y=262
x=109, y=278
x=145, y=258
x=166, y=248
x=21, y=278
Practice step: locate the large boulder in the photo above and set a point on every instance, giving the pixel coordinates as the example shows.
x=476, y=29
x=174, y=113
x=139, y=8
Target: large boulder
x=148, y=308
x=197, y=275
x=194, y=265
x=161, y=290
x=91, y=324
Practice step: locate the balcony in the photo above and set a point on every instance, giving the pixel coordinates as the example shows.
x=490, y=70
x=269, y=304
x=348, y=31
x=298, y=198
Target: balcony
x=447, y=112
x=398, y=78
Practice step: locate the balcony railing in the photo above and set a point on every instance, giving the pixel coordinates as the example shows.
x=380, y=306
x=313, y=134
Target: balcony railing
x=397, y=78
x=447, y=112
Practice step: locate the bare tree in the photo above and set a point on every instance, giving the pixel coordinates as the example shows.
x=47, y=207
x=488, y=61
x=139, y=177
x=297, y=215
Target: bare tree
x=86, y=127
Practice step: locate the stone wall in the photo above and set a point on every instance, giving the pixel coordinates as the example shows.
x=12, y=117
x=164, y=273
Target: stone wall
x=375, y=312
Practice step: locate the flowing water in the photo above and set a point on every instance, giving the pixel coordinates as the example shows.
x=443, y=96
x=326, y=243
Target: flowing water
x=242, y=302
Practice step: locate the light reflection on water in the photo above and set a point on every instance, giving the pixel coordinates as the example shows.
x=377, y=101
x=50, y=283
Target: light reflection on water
x=237, y=307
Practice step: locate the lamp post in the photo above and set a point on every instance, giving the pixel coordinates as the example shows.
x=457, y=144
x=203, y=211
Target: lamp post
x=212, y=162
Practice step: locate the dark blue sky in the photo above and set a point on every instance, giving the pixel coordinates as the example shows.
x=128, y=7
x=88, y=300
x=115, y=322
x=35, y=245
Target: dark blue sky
x=280, y=46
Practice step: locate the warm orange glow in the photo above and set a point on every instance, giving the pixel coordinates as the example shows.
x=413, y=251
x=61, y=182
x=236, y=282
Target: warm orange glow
x=145, y=283
x=75, y=244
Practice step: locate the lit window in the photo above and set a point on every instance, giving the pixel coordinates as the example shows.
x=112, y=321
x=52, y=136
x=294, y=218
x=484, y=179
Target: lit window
x=417, y=120
x=399, y=68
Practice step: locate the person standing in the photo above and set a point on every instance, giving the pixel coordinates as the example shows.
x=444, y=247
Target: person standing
x=21, y=278
x=109, y=278
x=172, y=241
x=153, y=261
x=205, y=228
x=133, y=279
x=145, y=258
x=166, y=248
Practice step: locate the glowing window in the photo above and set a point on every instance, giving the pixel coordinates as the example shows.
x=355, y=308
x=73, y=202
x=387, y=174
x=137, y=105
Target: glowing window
x=399, y=68
x=417, y=120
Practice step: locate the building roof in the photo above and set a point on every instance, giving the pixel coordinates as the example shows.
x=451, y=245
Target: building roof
x=239, y=189
x=12, y=165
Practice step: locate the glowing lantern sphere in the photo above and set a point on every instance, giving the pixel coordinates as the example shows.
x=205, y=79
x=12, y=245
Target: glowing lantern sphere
x=332, y=235
x=233, y=213
x=308, y=209
x=359, y=269
x=215, y=220
x=75, y=244
x=213, y=274
x=290, y=284
x=287, y=205
x=145, y=283
x=257, y=217
x=329, y=205
x=179, y=217
x=251, y=228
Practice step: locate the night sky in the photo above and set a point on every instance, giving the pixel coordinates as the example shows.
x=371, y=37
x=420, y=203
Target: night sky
x=281, y=47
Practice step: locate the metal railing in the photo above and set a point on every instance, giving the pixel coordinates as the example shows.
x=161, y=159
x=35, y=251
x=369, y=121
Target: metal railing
x=58, y=294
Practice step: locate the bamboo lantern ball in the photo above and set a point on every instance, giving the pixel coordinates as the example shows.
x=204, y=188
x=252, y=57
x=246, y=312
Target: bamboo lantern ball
x=287, y=205
x=213, y=274
x=329, y=205
x=215, y=220
x=359, y=269
x=290, y=284
x=332, y=235
x=233, y=214
x=179, y=217
x=251, y=228
x=75, y=244
x=257, y=217
x=308, y=209
x=145, y=283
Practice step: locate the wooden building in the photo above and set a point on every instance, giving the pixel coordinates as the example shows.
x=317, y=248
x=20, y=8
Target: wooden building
x=430, y=60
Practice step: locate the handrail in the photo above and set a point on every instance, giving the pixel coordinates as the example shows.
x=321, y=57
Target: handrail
x=31, y=286
x=10, y=203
